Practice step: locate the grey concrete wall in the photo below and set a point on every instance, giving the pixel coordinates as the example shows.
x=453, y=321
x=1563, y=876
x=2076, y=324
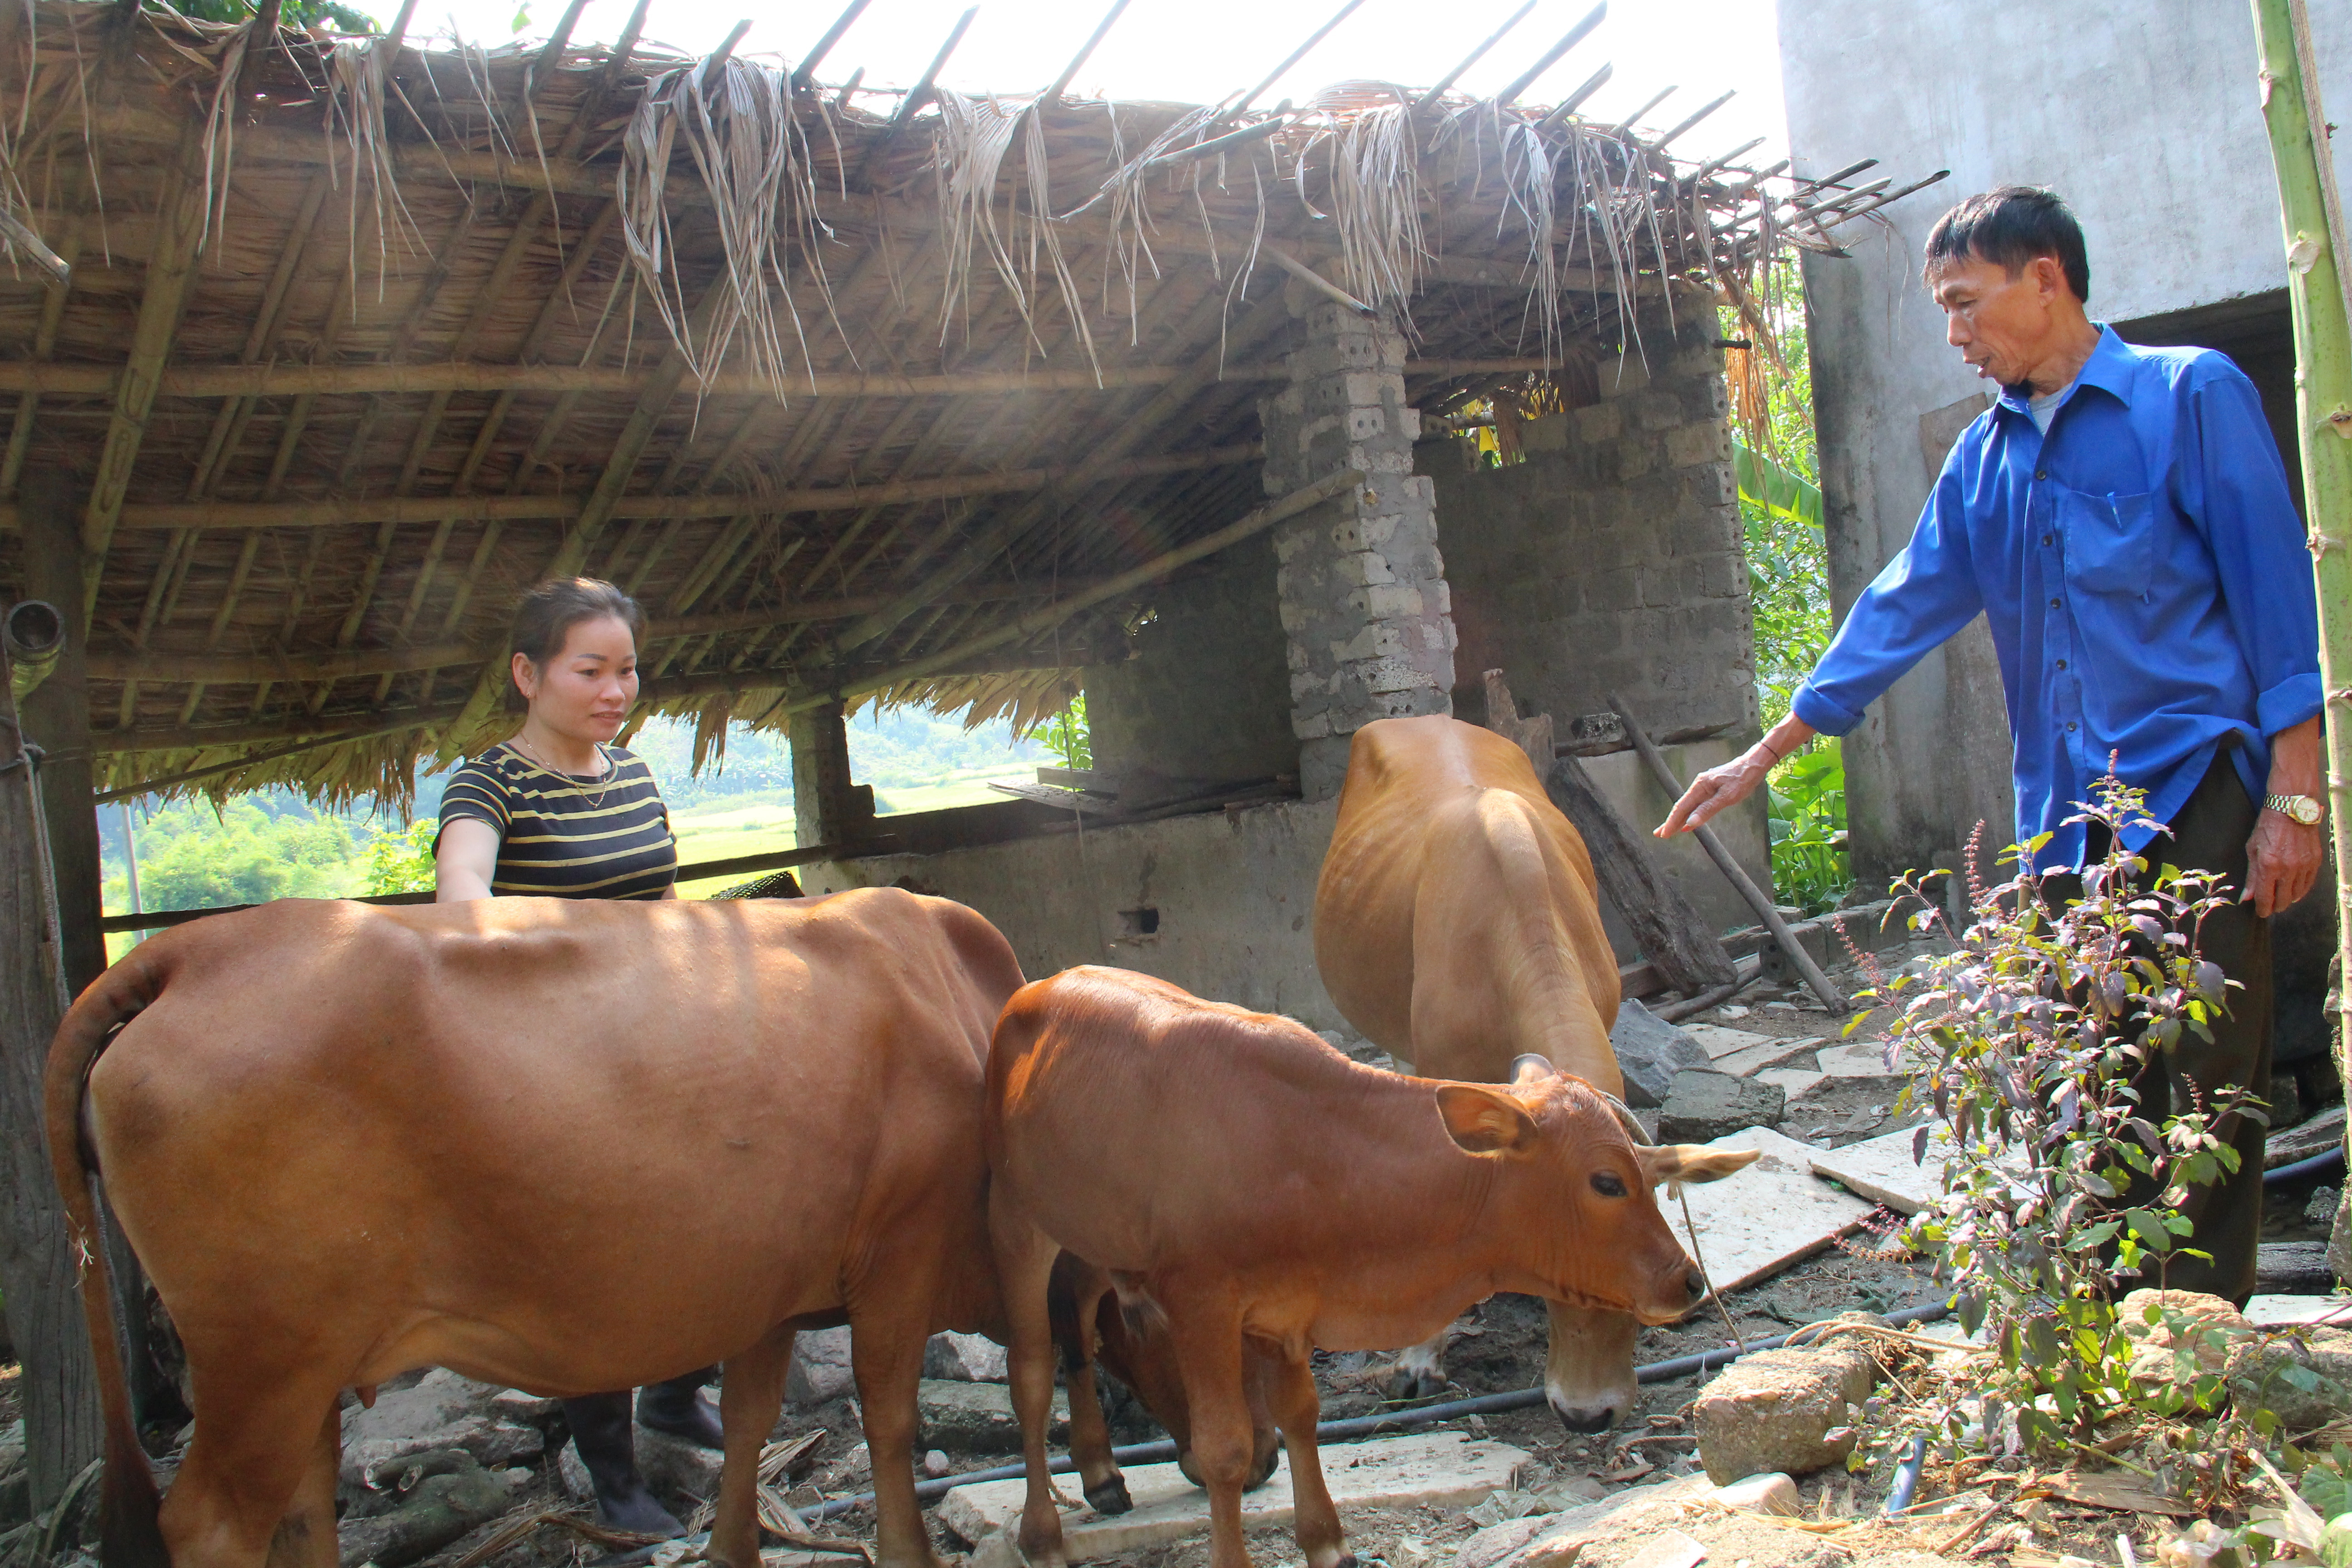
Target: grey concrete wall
x=1232, y=897
x=1207, y=693
x=2143, y=114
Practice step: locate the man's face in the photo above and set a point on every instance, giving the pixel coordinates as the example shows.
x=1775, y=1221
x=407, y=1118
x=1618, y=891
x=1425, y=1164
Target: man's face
x=2002, y=325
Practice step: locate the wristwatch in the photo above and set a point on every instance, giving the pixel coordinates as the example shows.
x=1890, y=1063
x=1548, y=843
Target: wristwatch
x=2301, y=807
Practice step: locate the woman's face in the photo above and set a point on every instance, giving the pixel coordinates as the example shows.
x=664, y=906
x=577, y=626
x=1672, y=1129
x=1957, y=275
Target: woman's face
x=585, y=690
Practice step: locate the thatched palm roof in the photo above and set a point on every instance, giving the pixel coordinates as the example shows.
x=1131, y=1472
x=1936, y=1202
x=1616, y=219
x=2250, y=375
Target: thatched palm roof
x=856, y=392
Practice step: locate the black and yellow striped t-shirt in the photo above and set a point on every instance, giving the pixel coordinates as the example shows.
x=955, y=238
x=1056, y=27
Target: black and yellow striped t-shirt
x=568, y=837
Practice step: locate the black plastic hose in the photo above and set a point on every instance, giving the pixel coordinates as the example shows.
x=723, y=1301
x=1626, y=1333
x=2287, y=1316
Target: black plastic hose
x=1164, y=1450
x=2313, y=1166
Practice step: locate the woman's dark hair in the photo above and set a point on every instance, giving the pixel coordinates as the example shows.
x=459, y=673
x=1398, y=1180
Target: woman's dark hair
x=549, y=612
x=2010, y=226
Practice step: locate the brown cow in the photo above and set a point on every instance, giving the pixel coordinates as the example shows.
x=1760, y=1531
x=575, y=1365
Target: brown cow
x=1233, y=1171
x=1456, y=925
x=564, y=1145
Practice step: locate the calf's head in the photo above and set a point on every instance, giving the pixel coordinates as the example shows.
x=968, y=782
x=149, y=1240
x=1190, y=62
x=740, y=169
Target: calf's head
x=1573, y=1190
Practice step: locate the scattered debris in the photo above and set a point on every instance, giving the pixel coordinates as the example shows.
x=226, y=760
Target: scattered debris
x=1791, y=1410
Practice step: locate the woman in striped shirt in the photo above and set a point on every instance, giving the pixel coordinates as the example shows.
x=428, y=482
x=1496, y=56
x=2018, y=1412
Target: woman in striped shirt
x=557, y=810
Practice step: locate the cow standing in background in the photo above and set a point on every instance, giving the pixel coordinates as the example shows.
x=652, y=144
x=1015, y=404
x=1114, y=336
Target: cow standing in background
x=561, y=1145
x=1457, y=926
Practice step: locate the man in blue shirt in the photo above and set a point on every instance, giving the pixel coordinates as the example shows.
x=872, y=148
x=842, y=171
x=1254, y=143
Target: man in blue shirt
x=2122, y=518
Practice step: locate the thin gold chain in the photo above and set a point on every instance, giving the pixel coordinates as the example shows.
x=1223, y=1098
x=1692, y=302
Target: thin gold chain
x=597, y=800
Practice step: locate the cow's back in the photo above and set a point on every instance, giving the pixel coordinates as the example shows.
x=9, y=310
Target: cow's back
x=1456, y=918
x=519, y=1136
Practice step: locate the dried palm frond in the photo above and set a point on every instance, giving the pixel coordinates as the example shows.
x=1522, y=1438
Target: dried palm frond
x=360, y=91
x=1373, y=169
x=738, y=126
x=974, y=136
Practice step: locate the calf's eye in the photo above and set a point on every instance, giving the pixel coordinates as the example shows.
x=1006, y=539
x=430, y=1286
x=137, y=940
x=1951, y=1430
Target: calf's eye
x=1608, y=1184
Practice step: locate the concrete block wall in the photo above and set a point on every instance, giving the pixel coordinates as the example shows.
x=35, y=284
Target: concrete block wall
x=1362, y=588
x=1207, y=693
x=1611, y=558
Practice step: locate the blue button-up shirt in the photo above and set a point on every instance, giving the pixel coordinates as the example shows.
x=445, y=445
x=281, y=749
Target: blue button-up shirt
x=2144, y=575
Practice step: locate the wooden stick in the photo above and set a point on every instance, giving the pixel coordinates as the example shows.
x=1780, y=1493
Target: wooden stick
x=1314, y=280
x=1062, y=82
x=806, y=72
x=1473, y=57
x=1818, y=983
x=1297, y=55
x=1714, y=104
x=715, y=62
x=551, y=54
x=916, y=96
x=1625, y=126
x=1714, y=164
x=1575, y=100
x=1225, y=144
x=1550, y=56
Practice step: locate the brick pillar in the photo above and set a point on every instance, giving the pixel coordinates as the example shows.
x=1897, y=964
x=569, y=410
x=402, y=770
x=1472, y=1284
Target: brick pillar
x=1363, y=590
x=826, y=807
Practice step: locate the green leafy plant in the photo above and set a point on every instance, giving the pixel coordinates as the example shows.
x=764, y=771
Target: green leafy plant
x=402, y=862
x=1067, y=736
x=2026, y=1040
x=1806, y=805
x=326, y=14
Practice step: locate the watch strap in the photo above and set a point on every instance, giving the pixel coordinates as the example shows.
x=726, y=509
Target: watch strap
x=2302, y=809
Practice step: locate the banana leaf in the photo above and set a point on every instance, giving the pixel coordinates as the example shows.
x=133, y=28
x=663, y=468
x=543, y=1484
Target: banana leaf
x=1766, y=484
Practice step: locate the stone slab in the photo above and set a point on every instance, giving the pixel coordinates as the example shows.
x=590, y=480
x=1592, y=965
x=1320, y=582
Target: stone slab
x=1757, y=1222
x=1856, y=1058
x=977, y=1417
x=1771, y=1053
x=2278, y=1311
x=1433, y=1469
x=1718, y=1042
x=1791, y=1081
x=1881, y=1169
x=2316, y=1136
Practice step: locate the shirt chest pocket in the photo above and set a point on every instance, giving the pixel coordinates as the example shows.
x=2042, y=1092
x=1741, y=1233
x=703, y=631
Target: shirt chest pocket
x=2110, y=542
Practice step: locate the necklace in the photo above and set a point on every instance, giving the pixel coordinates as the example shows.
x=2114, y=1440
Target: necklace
x=605, y=780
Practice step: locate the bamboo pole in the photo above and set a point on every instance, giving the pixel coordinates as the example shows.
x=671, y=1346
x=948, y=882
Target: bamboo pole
x=2314, y=233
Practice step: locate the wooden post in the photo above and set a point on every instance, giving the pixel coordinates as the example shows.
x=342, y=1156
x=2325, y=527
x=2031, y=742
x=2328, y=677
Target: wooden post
x=57, y=719
x=62, y=1434
x=2316, y=285
x=1687, y=955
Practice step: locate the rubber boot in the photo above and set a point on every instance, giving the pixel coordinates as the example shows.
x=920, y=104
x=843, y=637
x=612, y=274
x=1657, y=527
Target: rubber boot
x=600, y=1430
x=676, y=1406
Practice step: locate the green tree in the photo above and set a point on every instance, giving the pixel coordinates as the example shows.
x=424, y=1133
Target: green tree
x=402, y=862
x=292, y=13
x=1067, y=736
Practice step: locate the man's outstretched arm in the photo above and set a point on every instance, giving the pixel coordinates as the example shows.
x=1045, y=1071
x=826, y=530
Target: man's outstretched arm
x=1720, y=789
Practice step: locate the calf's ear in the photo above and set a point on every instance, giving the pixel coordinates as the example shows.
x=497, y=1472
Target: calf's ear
x=1692, y=1161
x=1486, y=1121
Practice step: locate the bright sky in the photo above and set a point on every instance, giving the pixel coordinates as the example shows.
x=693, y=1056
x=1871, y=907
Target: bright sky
x=1199, y=50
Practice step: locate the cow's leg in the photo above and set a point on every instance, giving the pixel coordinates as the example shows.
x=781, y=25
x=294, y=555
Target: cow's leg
x=1296, y=1408
x=1205, y=1321
x=305, y=1537
x=1420, y=1370
x=258, y=1453
x=1106, y=1488
x=889, y=1325
x=1589, y=1372
x=750, y=1398
x=1025, y=1268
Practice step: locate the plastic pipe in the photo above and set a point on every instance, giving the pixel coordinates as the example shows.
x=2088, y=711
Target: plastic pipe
x=2311, y=1167
x=1906, y=1477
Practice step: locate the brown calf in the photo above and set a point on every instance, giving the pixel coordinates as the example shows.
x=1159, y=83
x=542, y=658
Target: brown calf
x=568, y=1146
x=1255, y=1185
x=1457, y=925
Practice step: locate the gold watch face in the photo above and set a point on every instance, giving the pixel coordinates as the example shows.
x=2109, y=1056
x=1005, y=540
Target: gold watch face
x=2306, y=810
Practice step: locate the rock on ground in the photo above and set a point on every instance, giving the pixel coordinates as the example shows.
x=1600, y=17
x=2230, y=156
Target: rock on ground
x=2302, y=1375
x=1775, y=1410
x=1703, y=1106
x=2208, y=1327
x=820, y=1371
x=965, y=1358
x=977, y=1417
x=441, y=1411
x=443, y=1495
x=1650, y=1051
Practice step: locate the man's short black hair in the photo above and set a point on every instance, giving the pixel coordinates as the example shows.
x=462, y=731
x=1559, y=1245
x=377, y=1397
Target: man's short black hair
x=2010, y=226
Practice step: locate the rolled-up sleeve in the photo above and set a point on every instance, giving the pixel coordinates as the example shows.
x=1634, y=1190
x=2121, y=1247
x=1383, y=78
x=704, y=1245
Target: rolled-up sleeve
x=1925, y=594
x=2238, y=497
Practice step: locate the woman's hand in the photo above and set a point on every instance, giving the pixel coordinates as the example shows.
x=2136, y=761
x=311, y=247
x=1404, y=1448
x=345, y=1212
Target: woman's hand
x=464, y=860
x=1718, y=789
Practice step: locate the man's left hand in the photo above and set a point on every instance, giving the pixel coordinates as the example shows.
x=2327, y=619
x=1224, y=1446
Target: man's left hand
x=2282, y=861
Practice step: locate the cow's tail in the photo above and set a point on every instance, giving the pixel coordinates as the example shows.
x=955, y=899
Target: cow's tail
x=130, y=1533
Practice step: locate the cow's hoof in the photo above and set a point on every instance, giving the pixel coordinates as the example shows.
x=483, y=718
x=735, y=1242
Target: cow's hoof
x=1109, y=1496
x=1414, y=1382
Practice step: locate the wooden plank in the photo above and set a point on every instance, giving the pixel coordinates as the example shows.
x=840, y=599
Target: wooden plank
x=36, y=1266
x=1686, y=954
x=1062, y=799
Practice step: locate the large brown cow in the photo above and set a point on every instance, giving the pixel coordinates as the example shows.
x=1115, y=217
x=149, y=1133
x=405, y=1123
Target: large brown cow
x=1457, y=926
x=564, y=1145
x=1231, y=1170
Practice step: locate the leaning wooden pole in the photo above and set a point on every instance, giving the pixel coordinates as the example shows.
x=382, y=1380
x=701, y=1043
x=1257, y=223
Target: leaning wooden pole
x=2314, y=226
